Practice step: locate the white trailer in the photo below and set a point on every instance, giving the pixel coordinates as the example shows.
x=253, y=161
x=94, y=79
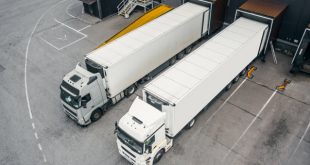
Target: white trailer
x=173, y=99
x=113, y=71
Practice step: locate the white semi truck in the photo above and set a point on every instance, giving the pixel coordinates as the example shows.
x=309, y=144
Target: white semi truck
x=112, y=71
x=172, y=100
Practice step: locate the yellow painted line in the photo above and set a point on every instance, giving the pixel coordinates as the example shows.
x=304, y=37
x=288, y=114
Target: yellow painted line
x=147, y=17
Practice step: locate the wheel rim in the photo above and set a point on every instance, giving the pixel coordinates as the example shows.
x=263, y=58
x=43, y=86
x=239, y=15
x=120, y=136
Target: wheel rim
x=228, y=86
x=97, y=115
x=158, y=156
x=172, y=61
x=188, y=50
x=131, y=90
x=236, y=79
x=243, y=72
x=191, y=124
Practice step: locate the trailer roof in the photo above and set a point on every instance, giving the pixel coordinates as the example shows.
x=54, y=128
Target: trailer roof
x=180, y=79
x=126, y=45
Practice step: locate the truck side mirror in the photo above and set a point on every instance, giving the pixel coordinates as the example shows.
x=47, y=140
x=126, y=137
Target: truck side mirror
x=149, y=149
x=84, y=103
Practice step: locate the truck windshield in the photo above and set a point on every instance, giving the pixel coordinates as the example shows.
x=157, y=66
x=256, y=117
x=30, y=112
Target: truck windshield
x=73, y=101
x=130, y=142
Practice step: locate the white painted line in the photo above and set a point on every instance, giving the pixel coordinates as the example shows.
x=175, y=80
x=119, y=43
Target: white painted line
x=252, y=122
x=33, y=126
x=222, y=105
x=70, y=27
x=44, y=158
x=71, y=43
x=26, y=64
x=84, y=28
x=39, y=146
x=36, y=135
x=67, y=11
x=301, y=139
x=50, y=44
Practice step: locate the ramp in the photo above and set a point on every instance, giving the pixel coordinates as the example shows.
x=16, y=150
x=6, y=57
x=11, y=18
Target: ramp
x=147, y=17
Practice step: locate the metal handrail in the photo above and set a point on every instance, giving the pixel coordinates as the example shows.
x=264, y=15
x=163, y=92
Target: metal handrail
x=121, y=5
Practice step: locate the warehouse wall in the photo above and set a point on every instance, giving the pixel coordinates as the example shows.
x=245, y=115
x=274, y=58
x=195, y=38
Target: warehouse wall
x=295, y=19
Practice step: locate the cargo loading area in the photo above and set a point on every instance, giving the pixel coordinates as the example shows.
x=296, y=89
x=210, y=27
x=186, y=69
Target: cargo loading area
x=261, y=119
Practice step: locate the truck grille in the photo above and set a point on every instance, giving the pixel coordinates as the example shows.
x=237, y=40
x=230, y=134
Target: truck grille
x=128, y=152
x=70, y=111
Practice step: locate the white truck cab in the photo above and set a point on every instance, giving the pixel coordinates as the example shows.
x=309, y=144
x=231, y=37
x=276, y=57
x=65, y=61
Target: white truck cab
x=141, y=137
x=81, y=92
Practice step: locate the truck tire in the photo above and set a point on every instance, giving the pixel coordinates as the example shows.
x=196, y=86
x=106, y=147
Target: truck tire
x=172, y=60
x=243, y=72
x=228, y=86
x=188, y=49
x=96, y=115
x=236, y=79
x=191, y=124
x=131, y=90
x=158, y=156
x=180, y=55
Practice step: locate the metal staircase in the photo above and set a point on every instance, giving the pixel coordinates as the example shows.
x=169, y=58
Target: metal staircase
x=127, y=6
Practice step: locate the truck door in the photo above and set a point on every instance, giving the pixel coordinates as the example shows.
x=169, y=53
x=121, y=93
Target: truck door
x=87, y=103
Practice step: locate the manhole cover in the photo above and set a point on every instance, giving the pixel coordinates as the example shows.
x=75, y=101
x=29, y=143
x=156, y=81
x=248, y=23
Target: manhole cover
x=1, y=68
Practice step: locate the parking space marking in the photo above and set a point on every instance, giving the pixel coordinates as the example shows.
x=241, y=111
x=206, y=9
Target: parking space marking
x=25, y=71
x=249, y=126
x=50, y=44
x=301, y=139
x=63, y=24
x=222, y=105
x=71, y=28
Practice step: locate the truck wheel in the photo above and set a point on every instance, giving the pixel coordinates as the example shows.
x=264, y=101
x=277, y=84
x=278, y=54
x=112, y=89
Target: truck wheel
x=158, y=156
x=191, y=124
x=243, y=72
x=131, y=90
x=96, y=115
x=228, y=86
x=180, y=55
x=236, y=79
x=188, y=49
x=172, y=60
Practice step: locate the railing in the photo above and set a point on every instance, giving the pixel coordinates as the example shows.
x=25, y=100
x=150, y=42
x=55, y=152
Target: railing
x=121, y=5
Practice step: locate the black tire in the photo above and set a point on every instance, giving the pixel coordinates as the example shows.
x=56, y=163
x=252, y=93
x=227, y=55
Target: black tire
x=188, y=49
x=191, y=124
x=236, y=79
x=158, y=156
x=131, y=90
x=180, y=55
x=96, y=115
x=172, y=61
x=243, y=72
x=228, y=86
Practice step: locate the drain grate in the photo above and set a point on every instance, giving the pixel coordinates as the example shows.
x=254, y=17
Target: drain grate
x=1, y=68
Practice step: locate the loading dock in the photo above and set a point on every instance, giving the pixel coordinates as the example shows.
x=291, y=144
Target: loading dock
x=301, y=60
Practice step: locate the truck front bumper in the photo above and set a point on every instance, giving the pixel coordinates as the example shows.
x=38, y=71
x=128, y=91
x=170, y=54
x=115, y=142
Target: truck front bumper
x=74, y=115
x=133, y=158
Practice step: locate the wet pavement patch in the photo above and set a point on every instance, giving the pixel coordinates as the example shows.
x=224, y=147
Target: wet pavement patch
x=279, y=132
x=1, y=68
